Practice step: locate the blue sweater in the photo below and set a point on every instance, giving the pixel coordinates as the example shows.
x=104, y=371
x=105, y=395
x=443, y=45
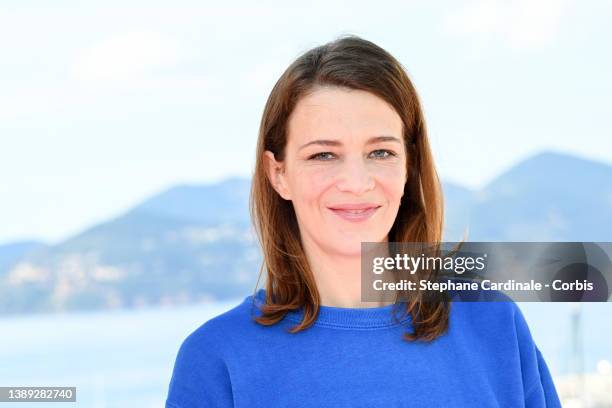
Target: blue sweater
x=356, y=358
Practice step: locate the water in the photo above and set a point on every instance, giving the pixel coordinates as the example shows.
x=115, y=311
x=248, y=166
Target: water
x=125, y=358
x=114, y=358
x=550, y=325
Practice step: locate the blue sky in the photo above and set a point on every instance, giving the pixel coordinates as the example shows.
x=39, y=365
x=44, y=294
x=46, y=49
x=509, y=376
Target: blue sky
x=106, y=104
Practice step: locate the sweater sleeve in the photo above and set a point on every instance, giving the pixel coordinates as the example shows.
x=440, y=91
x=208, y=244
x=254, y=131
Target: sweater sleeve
x=200, y=377
x=539, y=389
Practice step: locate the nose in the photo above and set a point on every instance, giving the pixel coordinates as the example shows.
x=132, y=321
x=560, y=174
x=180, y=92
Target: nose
x=355, y=177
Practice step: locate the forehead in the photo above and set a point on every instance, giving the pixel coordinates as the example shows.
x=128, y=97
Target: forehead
x=340, y=112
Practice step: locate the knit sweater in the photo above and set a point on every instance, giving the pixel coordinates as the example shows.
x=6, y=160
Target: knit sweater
x=355, y=357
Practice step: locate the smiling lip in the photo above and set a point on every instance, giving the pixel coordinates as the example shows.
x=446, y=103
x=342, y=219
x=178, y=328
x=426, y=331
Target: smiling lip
x=355, y=212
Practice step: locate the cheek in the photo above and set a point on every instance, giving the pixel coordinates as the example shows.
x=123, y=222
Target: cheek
x=312, y=183
x=391, y=180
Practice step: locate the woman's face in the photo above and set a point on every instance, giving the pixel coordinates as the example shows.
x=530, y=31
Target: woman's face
x=345, y=148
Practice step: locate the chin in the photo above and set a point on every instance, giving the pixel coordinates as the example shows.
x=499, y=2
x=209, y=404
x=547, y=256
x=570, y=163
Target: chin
x=349, y=251
x=351, y=247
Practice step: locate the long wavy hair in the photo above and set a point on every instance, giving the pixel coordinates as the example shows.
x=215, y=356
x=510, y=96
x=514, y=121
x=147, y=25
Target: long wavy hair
x=350, y=62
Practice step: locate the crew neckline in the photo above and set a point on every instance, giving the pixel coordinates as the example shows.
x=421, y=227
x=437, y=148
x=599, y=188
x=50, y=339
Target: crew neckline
x=345, y=317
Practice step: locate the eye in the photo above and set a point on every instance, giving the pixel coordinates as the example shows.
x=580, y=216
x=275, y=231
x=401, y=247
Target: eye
x=318, y=155
x=386, y=155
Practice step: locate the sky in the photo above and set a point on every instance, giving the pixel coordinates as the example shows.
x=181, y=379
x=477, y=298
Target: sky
x=106, y=104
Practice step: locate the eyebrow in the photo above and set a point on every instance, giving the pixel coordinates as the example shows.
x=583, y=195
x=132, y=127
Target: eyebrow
x=372, y=140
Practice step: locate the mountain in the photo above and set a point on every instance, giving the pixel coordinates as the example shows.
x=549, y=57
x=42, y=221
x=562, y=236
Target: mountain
x=222, y=202
x=550, y=196
x=10, y=253
x=457, y=203
x=195, y=242
x=186, y=244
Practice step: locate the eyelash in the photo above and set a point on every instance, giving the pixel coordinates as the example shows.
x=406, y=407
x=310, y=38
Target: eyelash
x=391, y=154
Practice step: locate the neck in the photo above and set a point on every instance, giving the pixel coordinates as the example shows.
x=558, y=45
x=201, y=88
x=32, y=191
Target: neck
x=338, y=277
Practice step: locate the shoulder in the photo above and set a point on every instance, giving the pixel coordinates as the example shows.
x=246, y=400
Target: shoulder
x=217, y=332
x=201, y=374
x=491, y=309
x=220, y=332
x=496, y=324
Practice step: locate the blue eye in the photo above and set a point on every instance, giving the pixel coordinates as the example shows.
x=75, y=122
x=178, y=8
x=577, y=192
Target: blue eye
x=389, y=153
x=316, y=156
x=329, y=155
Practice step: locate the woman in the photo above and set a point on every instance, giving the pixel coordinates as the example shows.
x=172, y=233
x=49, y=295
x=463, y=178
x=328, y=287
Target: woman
x=343, y=158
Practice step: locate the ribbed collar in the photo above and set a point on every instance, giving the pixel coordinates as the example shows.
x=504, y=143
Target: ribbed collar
x=343, y=317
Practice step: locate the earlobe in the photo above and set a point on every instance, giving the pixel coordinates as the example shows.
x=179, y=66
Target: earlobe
x=281, y=188
x=275, y=172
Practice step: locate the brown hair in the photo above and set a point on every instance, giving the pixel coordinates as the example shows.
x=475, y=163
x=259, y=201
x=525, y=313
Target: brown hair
x=355, y=63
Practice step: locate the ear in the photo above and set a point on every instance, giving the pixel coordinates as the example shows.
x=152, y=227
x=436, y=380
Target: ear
x=276, y=174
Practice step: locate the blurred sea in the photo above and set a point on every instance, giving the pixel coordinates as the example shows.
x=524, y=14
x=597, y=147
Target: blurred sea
x=124, y=358
x=120, y=358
